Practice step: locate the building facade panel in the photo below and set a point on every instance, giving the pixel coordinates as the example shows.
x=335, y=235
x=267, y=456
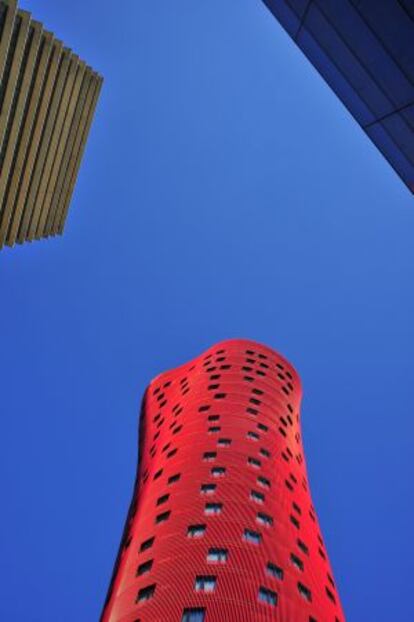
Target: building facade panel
x=364, y=51
x=43, y=87
x=221, y=524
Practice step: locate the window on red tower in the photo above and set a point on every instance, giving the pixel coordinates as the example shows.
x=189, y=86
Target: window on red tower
x=217, y=555
x=205, y=583
x=194, y=615
x=268, y=596
x=146, y=593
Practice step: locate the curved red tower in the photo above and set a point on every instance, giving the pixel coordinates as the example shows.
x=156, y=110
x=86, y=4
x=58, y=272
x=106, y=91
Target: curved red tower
x=221, y=526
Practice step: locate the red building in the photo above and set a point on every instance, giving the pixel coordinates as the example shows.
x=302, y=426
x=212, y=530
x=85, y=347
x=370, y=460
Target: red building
x=221, y=526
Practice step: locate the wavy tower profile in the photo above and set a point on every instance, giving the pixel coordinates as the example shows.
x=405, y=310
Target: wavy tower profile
x=221, y=526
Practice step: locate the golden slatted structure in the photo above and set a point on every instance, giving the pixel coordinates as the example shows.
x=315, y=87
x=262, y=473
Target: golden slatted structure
x=48, y=97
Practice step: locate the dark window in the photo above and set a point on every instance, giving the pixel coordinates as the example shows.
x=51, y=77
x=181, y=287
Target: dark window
x=144, y=567
x=217, y=555
x=161, y=518
x=296, y=507
x=194, y=615
x=174, y=478
x=330, y=595
x=305, y=592
x=296, y=561
x=213, y=417
x=158, y=474
x=224, y=442
x=204, y=408
x=214, y=429
x=171, y=453
x=274, y=571
x=252, y=411
x=209, y=456
x=264, y=519
x=163, y=499
x=208, y=489
x=146, y=593
x=294, y=521
x=147, y=544
x=257, y=496
x=213, y=508
x=253, y=435
x=265, y=453
x=220, y=396
x=263, y=481
x=218, y=471
x=252, y=536
x=268, y=596
x=263, y=427
x=303, y=547
x=205, y=583
x=254, y=462
x=196, y=531
x=257, y=391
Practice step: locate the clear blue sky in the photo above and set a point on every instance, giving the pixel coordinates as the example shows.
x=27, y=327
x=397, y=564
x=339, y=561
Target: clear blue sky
x=225, y=192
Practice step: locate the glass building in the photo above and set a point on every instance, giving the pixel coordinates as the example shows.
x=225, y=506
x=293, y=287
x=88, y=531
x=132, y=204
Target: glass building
x=364, y=49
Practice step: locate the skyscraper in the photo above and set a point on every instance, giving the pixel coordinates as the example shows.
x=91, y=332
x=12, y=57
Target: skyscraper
x=364, y=50
x=221, y=526
x=48, y=97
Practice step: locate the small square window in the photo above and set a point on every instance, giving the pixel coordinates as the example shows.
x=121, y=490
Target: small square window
x=218, y=471
x=205, y=584
x=174, y=478
x=264, y=452
x=224, y=442
x=144, y=567
x=209, y=456
x=305, y=592
x=303, y=547
x=213, y=508
x=196, y=531
x=146, y=593
x=147, y=544
x=296, y=561
x=263, y=481
x=258, y=497
x=268, y=596
x=254, y=462
x=208, y=489
x=194, y=615
x=274, y=571
x=264, y=519
x=253, y=435
x=161, y=518
x=252, y=536
x=162, y=499
x=217, y=555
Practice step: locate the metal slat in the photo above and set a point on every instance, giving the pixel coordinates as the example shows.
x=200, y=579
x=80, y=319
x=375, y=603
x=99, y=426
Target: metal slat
x=7, y=32
x=32, y=166
x=69, y=152
x=18, y=120
x=78, y=161
x=14, y=74
x=28, y=131
x=31, y=205
x=47, y=213
x=38, y=219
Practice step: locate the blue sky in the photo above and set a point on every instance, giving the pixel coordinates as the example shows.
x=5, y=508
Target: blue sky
x=225, y=192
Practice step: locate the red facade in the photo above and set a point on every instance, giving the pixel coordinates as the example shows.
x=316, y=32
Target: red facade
x=221, y=527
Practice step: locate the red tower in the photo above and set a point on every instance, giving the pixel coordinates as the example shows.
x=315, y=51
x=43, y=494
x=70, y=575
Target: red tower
x=221, y=526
